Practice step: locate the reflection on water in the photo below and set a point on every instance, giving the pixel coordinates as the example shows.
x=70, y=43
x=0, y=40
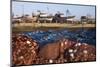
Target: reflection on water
x=48, y=36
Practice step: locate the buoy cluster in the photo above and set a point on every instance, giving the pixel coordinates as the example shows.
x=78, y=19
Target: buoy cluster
x=26, y=51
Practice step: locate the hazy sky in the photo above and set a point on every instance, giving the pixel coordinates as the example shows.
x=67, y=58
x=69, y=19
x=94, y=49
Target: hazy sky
x=29, y=7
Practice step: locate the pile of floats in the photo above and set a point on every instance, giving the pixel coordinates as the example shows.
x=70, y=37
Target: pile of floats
x=26, y=51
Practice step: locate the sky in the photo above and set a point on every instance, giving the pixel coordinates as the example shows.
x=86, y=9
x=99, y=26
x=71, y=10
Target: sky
x=28, y=7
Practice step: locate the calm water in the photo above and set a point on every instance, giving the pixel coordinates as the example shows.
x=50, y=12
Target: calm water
x=48, y=36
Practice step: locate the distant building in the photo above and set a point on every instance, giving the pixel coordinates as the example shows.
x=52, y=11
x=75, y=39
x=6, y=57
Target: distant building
x=61, y=19
x=85, y=19
x=91, y=20
x=16, y=19
x=45, y=17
